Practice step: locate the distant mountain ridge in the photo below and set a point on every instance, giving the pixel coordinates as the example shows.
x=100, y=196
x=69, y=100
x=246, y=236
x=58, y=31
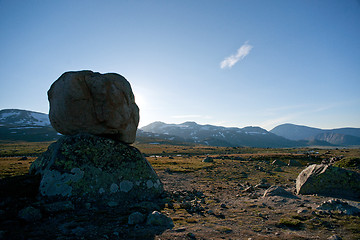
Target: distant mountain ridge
x=339, y=136
x=219, y=136
x=23, y=125
x=17, y=117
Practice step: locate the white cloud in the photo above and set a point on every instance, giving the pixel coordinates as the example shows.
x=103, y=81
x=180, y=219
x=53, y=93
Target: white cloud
x=242, y=52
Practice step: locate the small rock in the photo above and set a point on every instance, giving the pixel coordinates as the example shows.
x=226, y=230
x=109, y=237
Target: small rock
x=278, y=191
x=185, y=205
x=334, y=237
x=208, y=159
x=170, y=205
x=180, y=229
x=223, y=205
x=211, y=212
x=339, y=205
x=294, y=163
x=302, y=210
x=263, y=185
x=249, y=189
x=30, y=214
x=278, y=163
x=158, y=219
x=191, y=235
x=136, y=218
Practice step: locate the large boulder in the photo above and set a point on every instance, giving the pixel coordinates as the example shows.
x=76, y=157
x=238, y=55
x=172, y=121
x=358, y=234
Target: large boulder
x=88, y=167
x=329, y=181
x=90, y=102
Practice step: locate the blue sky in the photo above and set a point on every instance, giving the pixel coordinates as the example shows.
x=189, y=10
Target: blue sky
x=232, y=63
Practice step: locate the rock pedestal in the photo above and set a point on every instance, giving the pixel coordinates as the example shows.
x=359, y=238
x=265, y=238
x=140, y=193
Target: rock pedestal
x=92, y=168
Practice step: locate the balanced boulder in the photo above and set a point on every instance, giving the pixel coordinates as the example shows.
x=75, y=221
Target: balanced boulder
x=90, y=102
x=329, y=181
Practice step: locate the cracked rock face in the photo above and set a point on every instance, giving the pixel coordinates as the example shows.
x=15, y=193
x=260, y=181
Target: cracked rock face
x=90, y=102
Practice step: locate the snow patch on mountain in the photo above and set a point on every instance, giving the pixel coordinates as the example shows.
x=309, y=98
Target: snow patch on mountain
x=22, y=118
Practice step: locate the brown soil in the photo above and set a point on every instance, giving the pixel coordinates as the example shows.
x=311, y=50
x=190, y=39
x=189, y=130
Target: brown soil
x=218, y=200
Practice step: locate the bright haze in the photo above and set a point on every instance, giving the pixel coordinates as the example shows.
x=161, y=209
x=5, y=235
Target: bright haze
x=231, y=63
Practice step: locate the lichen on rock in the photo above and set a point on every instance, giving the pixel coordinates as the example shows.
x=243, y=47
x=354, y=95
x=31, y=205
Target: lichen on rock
x=91, y=167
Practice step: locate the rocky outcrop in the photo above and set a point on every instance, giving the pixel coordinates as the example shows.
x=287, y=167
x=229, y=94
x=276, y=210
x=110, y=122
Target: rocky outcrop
x=90, y=102
x=329, y=181
x=87, y=167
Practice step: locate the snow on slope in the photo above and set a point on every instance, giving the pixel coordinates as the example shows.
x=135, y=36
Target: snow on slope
x=16, y=117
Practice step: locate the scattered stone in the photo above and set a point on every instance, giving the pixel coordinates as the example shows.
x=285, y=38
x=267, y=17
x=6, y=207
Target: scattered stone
x=278, y=169
x=334, y=237
x=136, y=218
x=158, y=219
x=294, y=163
x=339, y=206
x=208, y=159
x=302, y=210
x=249, y=189
x=23, y=158
x=91, y=167
x=90, y=102
x=30, y=214
x=185, y=205
x=191, y=235
x=278, y=163
x=329, y=181
x=223, y=205
x=180, y=229
x=278, y=191
x=263, y=185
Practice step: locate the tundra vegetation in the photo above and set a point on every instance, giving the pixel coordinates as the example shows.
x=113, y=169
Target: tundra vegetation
x=218, y=199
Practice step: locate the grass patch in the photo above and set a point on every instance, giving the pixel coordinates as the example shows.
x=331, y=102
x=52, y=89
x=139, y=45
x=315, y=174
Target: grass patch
x=14, y=166
x=223, y=229
x=178, y=164
x=290, y=223
x=350, y=162
x=23, y=148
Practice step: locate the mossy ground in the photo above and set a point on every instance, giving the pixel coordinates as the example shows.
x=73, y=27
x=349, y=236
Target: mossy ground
x=210, y=201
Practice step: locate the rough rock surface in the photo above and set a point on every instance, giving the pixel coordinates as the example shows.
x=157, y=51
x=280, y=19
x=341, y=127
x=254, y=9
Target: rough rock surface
x=90, y=102
x=87, y=167
x=338, y=205
x=329, y=181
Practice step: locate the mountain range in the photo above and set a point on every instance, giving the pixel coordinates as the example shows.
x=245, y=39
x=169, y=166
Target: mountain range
x=339, y=136
x=23, y=125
